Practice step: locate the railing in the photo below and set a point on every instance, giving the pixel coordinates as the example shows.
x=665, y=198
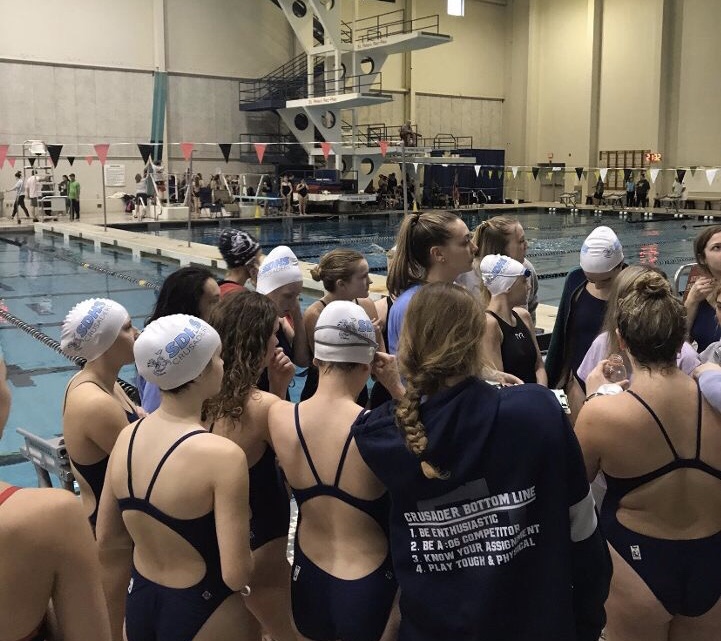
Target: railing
x=447, y=141
x=371, y=134
x=393, y=23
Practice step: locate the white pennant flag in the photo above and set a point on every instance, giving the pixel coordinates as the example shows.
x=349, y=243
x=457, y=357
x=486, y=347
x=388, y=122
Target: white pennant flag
x=477, y=168
x=654, y=174
x=603, y=172
x=557, y=168
x=415, y=167
x=514, y=170
x=710, y=175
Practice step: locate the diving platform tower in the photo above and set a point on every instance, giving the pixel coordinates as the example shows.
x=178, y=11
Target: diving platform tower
x=340, y=69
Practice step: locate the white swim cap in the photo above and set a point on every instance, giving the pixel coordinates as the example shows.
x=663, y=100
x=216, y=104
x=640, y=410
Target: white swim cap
x=344, y=334
x=91, y=327
x=280, y=267
x=500, y=272
x=175, y=349
x=601, y=251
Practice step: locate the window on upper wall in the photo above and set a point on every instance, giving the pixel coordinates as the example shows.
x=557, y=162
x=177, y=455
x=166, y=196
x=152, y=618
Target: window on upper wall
x=617, y=161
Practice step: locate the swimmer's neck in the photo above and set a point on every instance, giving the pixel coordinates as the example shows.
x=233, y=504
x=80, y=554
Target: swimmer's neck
x=183, y=407
x=339, y=385
x=238, y=275
x=102, y=372
x=501, y=306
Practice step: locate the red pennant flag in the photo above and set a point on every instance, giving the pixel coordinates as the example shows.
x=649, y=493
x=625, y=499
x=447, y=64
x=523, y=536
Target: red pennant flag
x=187, y=149
x=11, y=161
x=89, y=159
x=325, y=146
x=384, y=147
x=102, y=150
x=260, y=150
x=3, y=154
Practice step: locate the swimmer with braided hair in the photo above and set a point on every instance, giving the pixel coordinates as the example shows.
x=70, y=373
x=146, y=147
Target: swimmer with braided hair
x=488, y=490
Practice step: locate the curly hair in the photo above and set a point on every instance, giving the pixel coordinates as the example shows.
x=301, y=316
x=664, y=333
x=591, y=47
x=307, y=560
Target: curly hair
x=245, y=321
x=432, y=350
x=417, y=234
x=337, y=264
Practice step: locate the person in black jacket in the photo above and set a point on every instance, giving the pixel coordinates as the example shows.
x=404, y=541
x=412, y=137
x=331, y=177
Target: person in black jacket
x=493, y=528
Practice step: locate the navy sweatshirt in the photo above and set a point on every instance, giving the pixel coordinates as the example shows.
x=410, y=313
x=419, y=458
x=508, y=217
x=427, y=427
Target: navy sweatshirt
x=507, y=548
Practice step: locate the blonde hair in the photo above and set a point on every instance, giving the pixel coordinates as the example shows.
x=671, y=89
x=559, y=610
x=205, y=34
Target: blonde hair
x=491, y=237
x=417, y=234
x=651, y=321
x=337, y=264
x=432, y=350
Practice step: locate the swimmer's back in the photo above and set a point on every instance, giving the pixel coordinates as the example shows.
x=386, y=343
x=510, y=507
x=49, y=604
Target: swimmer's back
x=47, y=552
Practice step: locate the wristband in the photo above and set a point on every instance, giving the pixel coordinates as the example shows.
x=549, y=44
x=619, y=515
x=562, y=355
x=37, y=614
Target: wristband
x=607, y=389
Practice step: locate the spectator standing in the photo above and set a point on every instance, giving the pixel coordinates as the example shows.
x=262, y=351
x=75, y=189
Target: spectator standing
x=302, y=190
x=32, y=191
x=74, y=196
x=19, y=190
x=598, y=191
x=63, y=191
x=642, y=189
x=630, y=191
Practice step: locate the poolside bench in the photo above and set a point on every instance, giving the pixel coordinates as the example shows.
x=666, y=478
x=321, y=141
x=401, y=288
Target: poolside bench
x=614, y=199
x=709, y=199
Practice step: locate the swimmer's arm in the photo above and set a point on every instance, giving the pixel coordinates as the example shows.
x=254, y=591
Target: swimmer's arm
x=491, y=339
x=232, y=518
x=5, y=397
x=115, y=548
x=77, y=597
x=588, y=426
x=302, y=354
x=541, y=376
x=310, y=318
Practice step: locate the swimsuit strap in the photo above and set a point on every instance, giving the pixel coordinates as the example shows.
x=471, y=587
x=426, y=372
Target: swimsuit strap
x=171, y=449
x=658, y=422
x=130, y=456
x=111, y=394
x=344, y=453
x=322, y=302
x=7, y=493
x=304, y=445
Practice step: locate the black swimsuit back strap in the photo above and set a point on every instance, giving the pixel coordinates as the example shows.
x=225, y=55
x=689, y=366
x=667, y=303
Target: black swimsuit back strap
x=130, y=456
x=171, y=449
x=658, y=422
x=304, y=445
x=344, y=453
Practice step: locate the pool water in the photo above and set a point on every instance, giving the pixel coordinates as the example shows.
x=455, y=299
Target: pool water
x=554, y=240
x=42, y=278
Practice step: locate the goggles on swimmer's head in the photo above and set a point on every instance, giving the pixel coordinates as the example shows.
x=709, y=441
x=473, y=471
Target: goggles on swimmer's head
x=526, y=273
x=367, y=342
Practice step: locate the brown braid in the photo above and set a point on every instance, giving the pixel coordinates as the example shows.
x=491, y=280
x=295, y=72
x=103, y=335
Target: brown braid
x=430, y=352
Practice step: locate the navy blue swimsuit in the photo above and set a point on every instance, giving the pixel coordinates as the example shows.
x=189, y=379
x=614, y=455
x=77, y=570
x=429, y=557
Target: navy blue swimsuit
x=705, y=329
x=155, y=612
x=94, y=474
x=585, y=324
x=517, y=349
x=683, y=574
x=326, y=607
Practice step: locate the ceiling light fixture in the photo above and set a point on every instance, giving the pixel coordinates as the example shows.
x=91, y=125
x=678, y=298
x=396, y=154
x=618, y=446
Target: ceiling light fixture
x=456, y=7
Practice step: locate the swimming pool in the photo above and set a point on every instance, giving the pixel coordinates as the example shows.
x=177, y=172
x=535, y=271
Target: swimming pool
x=42, y=278
x=554, y=239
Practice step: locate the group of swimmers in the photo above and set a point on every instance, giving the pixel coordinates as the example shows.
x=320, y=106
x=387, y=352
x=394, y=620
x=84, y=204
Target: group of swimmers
x=455, y=500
